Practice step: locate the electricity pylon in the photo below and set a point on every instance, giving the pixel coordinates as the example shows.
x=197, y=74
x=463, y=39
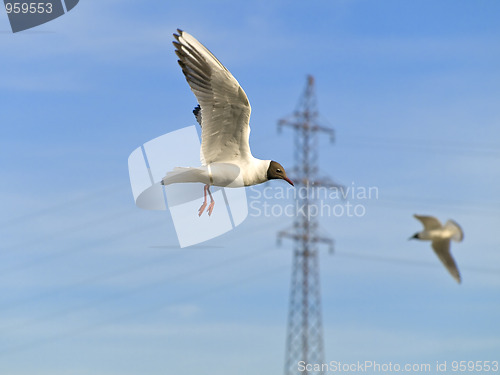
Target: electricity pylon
x=304, y=340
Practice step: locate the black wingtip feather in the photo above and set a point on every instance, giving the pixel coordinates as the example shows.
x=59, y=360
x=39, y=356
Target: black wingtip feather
x=197, y=114
x=179, y=54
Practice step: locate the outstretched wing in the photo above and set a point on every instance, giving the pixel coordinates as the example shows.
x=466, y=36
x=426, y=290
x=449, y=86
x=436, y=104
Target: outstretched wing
x=225, y=110
x=429, y=222
x=442, y=250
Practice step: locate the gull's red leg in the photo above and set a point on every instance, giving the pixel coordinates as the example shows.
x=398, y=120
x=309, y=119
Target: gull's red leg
x=202, y=208
x=212, y=202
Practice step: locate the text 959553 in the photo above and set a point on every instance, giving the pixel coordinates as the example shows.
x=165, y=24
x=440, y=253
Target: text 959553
x=27, y=7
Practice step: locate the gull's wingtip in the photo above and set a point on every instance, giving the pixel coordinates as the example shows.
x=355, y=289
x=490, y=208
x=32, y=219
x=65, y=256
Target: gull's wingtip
x=178, y=34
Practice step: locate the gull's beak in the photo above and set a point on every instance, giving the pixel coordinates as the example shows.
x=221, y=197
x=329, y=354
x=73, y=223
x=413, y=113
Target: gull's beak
x=288, y=180
x=413, y=237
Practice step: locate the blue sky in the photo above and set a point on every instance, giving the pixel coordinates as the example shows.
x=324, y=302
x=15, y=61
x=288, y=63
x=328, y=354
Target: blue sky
x=91, y=284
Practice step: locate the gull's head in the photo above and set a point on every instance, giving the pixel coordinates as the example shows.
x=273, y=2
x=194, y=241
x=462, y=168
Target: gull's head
x=276, y=171
x=415, y=236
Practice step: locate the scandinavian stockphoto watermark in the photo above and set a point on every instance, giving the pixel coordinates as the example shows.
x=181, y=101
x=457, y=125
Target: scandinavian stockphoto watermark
x=311, y=201
x=26, y=14
x=149, y=163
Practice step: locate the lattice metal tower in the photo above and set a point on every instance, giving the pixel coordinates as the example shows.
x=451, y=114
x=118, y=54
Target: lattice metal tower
x=304, y=340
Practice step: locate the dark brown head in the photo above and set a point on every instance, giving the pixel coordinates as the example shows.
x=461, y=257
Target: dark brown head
x=415, y=236
x=276, y=171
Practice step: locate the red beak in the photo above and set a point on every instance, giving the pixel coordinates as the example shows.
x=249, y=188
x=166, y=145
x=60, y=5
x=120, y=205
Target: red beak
x=288, y=180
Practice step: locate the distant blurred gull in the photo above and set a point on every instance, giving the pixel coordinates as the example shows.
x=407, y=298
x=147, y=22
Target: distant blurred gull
x=441, y=236
x=223, y=114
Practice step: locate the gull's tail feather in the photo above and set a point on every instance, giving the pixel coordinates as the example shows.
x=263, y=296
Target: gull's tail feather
x=185, y=175
x=458, y=234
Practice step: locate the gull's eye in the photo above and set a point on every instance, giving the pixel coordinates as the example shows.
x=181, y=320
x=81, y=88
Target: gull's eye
x=278, y=170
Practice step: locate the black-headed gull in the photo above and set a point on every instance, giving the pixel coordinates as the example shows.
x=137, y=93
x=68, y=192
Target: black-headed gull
x=441, y=236
x=223, y=113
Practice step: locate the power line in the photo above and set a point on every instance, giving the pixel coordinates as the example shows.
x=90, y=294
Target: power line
x=455, y=145
x=412, y=262
x=69, y=230
x=60, y=206
x=71, y=287
x=415, y=205
x=435, y=146
x=78, y=248
x=204, y=293
x=149, y=286
x=174, y=279
x=13, y=304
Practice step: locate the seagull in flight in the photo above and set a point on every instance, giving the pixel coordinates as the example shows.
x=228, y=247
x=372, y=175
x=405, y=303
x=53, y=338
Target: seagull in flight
x=441, y=236
x=223, y=113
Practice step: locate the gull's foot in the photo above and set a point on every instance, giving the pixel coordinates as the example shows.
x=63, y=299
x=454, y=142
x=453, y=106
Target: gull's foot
x=211, y=208
x=202, y=208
